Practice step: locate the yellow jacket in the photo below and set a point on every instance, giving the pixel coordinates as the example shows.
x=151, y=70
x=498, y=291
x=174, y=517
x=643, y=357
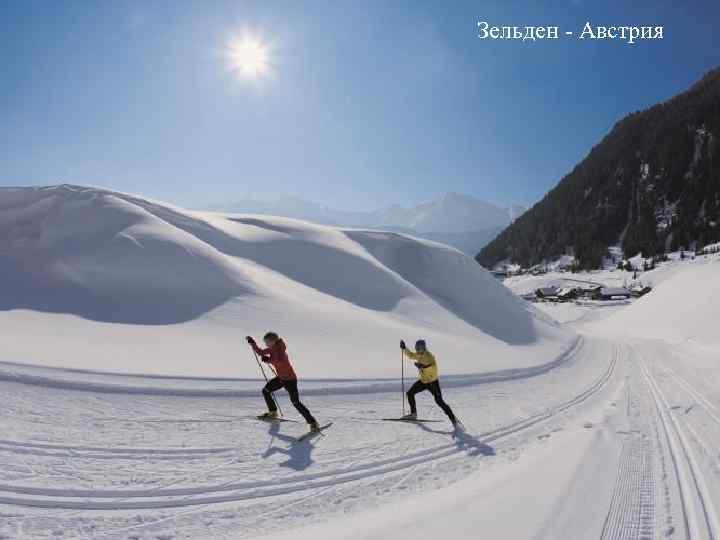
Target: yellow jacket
x=429, y=372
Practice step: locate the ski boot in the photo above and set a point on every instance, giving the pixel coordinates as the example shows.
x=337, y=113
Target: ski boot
x=314, y=427
x=411, y=416
x=270, y=415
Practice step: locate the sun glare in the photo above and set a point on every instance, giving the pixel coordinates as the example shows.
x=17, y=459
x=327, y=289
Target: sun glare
x=249, y=57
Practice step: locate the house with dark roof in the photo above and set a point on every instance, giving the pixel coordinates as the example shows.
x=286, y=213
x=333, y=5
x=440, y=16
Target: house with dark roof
x=611, y=293
x=546, y=292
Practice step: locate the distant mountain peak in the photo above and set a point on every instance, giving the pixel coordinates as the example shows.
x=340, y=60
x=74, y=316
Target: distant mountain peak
x=458, y=219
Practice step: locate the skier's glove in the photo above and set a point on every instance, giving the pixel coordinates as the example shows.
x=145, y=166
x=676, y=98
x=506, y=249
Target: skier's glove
x=265, y=359
x=250, y=340
x=419, y=365
x=402, y=345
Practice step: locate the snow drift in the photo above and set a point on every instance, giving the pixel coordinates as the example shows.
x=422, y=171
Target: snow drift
x=94, y=279
x=682, y=307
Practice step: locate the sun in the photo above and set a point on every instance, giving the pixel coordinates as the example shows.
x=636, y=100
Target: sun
x=249, y=57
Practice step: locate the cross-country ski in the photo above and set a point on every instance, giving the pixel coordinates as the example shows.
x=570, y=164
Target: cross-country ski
x=270, y=419
x=313, y=432
x=411, y=420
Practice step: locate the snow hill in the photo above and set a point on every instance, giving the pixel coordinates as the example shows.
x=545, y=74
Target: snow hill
x=683, y=307
x=97, y=280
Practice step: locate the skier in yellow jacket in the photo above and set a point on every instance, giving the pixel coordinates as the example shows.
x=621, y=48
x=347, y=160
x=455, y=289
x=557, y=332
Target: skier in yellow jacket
x=427, y=365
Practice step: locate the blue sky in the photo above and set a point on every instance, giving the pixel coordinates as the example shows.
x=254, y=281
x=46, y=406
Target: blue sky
x=368, y=102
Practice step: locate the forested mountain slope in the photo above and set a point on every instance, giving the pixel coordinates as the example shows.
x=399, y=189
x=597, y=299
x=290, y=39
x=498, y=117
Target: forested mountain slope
x=652, y=184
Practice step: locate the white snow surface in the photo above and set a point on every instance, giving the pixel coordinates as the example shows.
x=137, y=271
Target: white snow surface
x=615, y=439
x=119, y=283
x=683, y=307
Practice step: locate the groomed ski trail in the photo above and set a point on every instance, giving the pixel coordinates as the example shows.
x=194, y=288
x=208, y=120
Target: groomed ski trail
x=370, y=460
x=235, y=491
x=701, y=519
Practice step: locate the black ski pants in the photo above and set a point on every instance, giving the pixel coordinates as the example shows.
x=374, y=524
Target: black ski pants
x=291, y=386
x=434, y=388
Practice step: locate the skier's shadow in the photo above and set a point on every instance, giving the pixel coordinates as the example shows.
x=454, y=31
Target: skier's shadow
x=464, y=441
x=299, y=453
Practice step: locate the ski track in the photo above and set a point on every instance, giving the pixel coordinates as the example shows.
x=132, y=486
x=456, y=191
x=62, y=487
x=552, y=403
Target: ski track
x=632, y=508
x=97, y=382
x=660, y=488
x=697, y=504
x=216, y=475
x=231, y=491
x=393, y=461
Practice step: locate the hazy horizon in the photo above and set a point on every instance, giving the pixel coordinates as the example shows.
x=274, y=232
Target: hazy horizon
x=283, y=197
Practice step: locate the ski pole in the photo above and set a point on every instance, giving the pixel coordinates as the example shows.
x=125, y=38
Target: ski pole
x=266, y=380
x=402, y=378
x=257, y=360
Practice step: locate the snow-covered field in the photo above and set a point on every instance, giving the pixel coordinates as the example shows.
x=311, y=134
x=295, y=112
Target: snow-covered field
x=604, y=426
x=609, y=277
x=683, y=308
x=121, y=284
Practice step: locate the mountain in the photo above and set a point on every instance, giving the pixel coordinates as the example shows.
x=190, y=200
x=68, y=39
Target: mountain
x=651, y=185
x=453, y=213
x=462, y=221
x=297, y=208
x=100, y=280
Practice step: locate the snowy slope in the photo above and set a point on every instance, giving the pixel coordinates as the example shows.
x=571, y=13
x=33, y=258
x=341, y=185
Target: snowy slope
x=683, y=306
x=94, y=465
x=99, y=280
x=614, y=437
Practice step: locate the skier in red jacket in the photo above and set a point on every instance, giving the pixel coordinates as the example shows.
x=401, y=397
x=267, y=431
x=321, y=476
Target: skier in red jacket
x=275, y=354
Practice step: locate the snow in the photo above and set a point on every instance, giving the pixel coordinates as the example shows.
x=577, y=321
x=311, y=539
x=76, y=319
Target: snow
x=534, y=484
x=452, y=213
x=608, y=277
x=461, y=221
x=683, y=307
x=603, y=425
x=564, y=261
x=527, y=284
x=112, y=465
x=131, y=285
x=580, y=311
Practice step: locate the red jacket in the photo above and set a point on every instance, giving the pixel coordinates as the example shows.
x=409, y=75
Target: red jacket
x=278, y=359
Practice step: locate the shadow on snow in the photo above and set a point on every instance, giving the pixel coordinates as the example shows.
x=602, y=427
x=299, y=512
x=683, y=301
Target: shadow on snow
x=299, y=453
